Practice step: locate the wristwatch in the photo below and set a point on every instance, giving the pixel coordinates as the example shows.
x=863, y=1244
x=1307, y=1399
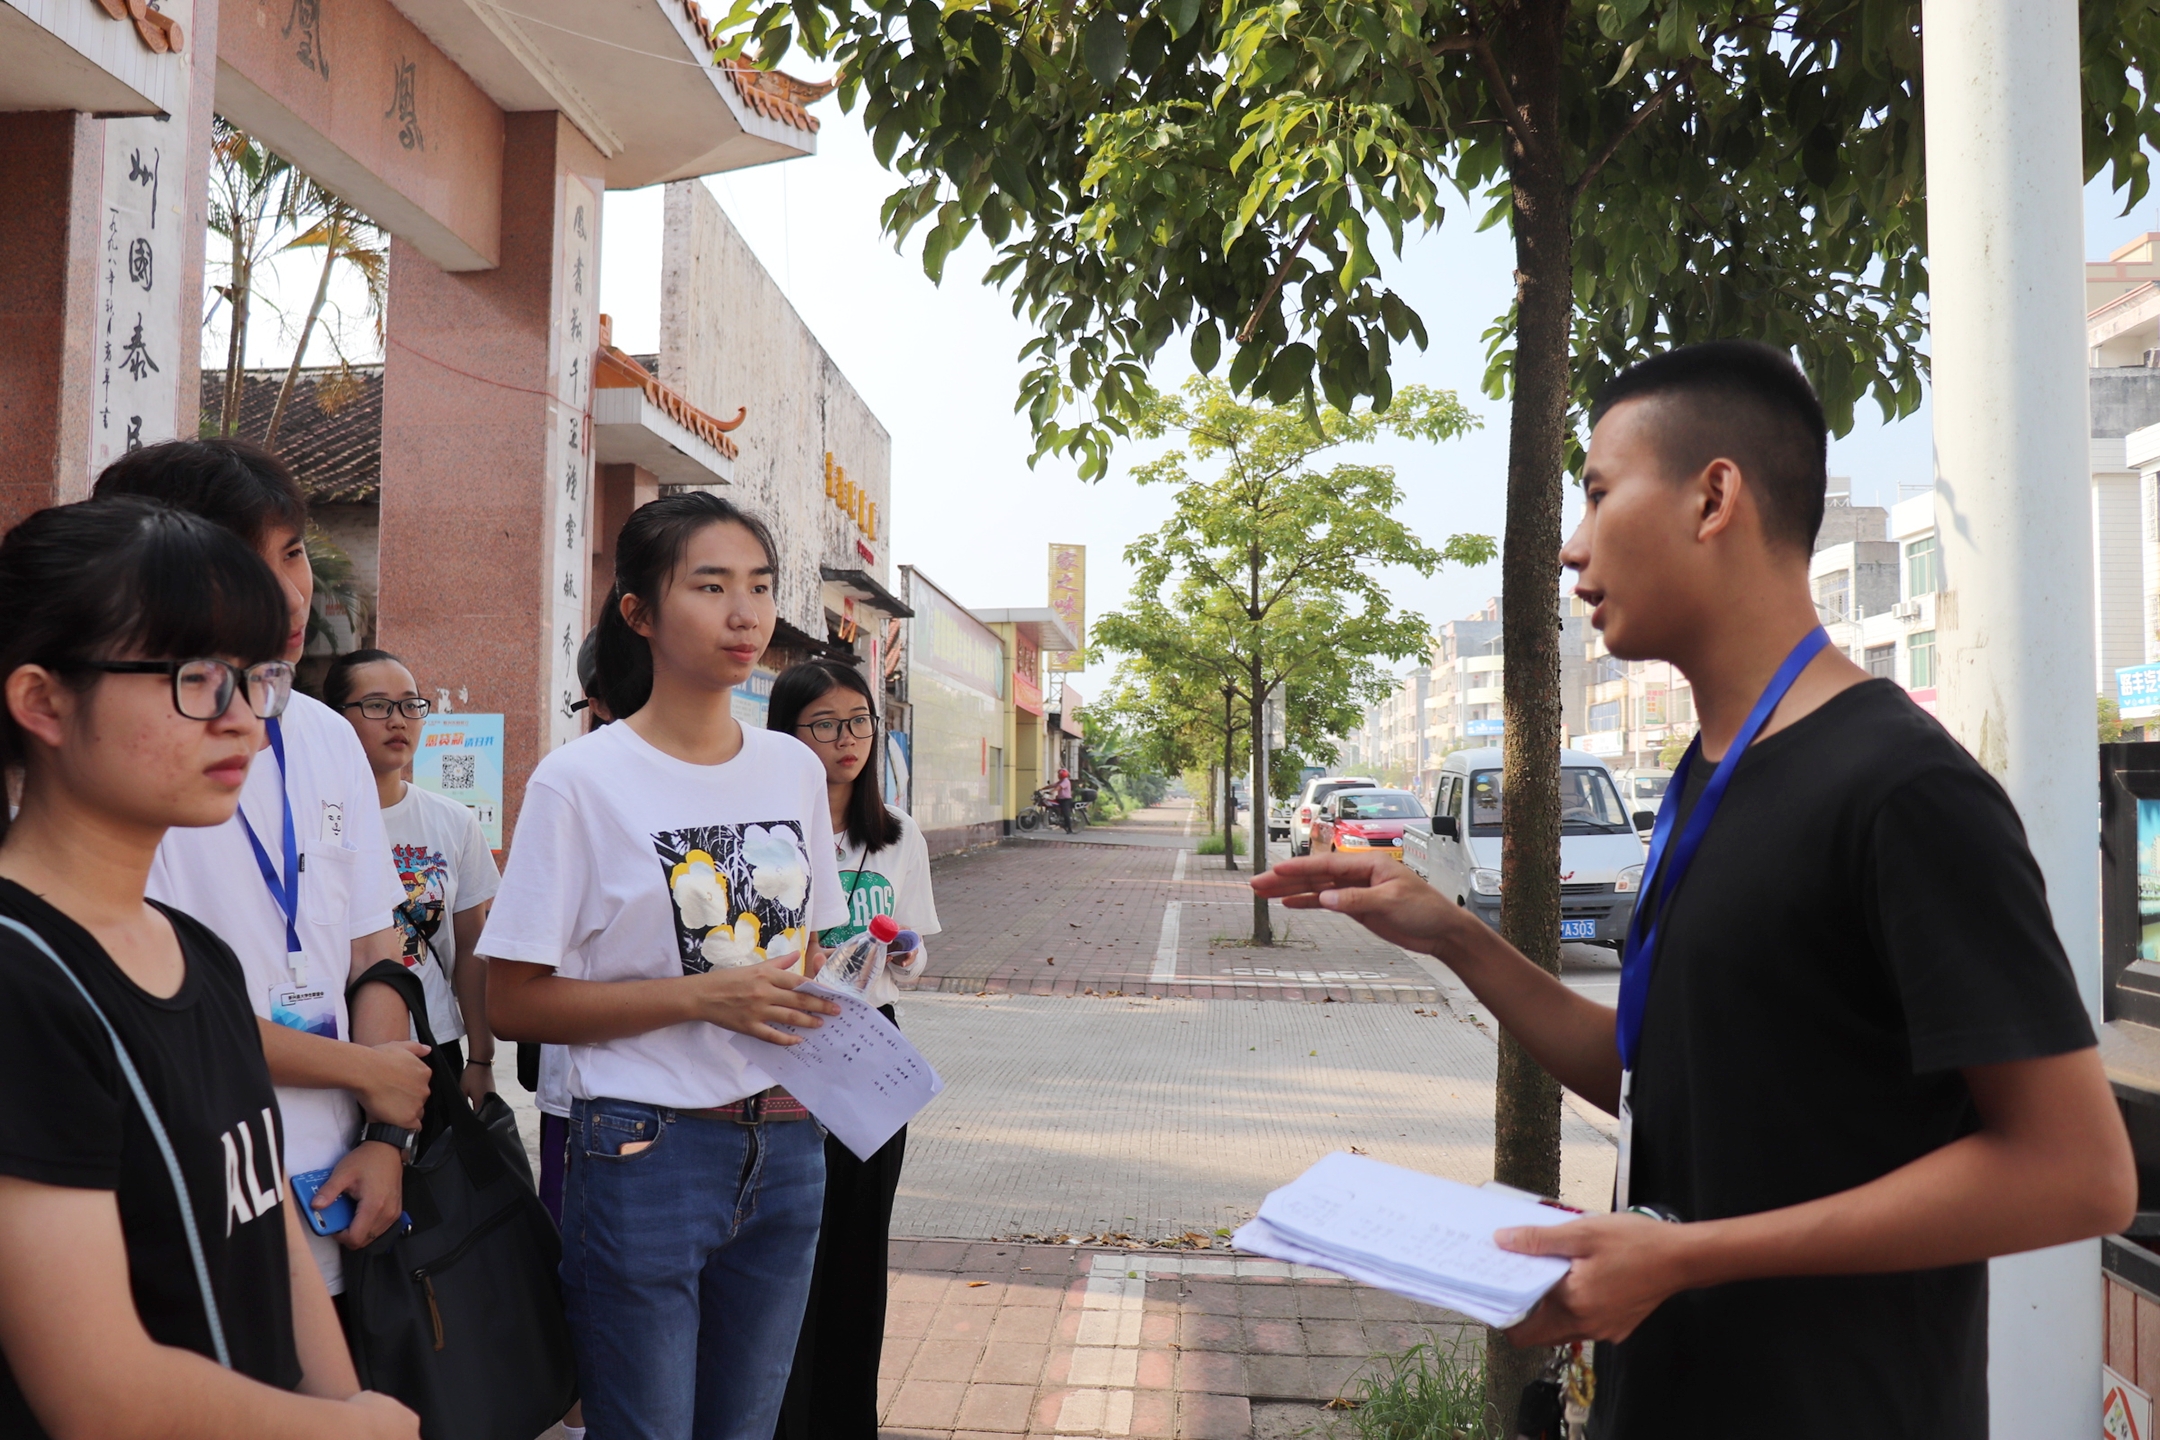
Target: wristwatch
x=397, y=1138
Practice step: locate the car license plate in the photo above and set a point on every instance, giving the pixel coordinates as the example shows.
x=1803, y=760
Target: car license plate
x=1578, y=929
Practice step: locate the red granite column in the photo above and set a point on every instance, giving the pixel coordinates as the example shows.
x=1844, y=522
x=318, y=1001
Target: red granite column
x=617, y=490
x=486, y=493
x=48, y=254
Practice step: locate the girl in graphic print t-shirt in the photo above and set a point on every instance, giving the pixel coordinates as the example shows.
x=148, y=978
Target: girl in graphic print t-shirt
x=141, y=655
x=665, y=874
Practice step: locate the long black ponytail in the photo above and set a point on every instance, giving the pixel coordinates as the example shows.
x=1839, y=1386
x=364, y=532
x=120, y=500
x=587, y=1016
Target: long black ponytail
x=647, y=553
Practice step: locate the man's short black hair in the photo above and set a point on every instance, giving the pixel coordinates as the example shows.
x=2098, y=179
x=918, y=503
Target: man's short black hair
x=229, y=482
x=1738, y=400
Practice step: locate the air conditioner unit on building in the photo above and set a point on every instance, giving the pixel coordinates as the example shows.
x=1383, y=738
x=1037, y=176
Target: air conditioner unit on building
x=1906, y=610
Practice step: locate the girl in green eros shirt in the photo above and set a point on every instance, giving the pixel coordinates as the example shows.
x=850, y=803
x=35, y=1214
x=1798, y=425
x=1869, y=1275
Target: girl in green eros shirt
x=885, y=870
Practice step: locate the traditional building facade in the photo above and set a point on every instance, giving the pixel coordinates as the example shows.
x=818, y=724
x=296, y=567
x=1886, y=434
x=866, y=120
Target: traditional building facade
x=481, y=138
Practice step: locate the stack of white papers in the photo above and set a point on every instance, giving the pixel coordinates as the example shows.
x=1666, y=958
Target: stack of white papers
x=1414, y=1234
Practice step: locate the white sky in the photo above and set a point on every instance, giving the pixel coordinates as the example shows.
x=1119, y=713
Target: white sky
x=938, y=365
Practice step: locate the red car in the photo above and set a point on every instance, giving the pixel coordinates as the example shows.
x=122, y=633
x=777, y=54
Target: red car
x=1364, y=820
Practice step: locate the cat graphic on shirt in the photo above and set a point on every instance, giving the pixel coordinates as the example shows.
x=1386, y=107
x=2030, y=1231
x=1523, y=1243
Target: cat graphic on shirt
x=740, y=893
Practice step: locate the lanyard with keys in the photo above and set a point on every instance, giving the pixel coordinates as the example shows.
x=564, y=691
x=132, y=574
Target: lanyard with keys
x=1665, y=868
x=285, y=892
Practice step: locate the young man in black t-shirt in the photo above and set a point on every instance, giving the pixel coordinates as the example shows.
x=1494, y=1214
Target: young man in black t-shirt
x=1863, y=1066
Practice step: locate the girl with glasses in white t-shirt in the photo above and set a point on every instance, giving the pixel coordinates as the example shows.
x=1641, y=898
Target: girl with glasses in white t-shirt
x=666, y=874
x=885, y=870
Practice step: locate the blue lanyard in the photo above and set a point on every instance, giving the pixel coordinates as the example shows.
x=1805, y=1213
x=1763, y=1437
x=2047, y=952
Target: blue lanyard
x=285, y=892
x=1661, y=880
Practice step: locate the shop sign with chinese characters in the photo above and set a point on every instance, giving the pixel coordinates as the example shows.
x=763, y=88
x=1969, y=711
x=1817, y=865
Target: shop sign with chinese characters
x=851, y=500
x=1068, y=599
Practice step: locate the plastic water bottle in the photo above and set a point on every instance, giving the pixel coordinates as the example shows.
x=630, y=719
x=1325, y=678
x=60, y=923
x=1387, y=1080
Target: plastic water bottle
x=861, y=959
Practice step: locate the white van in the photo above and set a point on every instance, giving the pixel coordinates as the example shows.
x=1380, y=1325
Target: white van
x=1642, y=789
x=1601, y=854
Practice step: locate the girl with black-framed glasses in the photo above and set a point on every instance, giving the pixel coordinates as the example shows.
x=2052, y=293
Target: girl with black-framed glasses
x=152, y=1270
x=884, y=868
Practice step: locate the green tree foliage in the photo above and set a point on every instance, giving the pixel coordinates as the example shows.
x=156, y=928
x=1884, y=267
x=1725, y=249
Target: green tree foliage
x=1268, y=572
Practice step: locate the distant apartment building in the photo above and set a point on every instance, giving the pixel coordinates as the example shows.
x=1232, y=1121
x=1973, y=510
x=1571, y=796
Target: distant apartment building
x=1453, y=702
x=1877, y=593
x=1391, y=745
x=2123, y=331
x=1632, y=710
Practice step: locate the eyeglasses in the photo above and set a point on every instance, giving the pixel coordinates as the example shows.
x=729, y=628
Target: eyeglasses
x=375, y=707
x=203, y=689
x=862, y=727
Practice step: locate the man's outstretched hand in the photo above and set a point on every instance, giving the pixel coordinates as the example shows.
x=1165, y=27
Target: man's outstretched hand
x=1378, y=893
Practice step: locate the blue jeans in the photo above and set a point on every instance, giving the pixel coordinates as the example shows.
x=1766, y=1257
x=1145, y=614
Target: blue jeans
x=686, y=1266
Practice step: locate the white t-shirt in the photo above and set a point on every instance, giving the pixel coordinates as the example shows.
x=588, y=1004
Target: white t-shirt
x=630, y=864
x=443, y=862
x=347, y=890
x=894, y=881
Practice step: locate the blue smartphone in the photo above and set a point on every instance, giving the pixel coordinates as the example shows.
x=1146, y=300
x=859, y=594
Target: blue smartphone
x=331, y=1218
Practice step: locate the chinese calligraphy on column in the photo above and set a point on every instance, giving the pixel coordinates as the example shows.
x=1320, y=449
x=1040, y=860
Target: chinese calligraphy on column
x=569, y=447
x=141, y=315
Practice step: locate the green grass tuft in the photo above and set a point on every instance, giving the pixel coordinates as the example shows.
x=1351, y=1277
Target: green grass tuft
x=1212, y=845
x=1432, y=1391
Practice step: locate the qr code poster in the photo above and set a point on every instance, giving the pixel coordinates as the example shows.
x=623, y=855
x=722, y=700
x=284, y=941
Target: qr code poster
x=740, y=892
x=460, y=758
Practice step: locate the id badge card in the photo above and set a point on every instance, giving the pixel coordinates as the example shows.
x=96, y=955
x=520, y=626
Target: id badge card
x=1627, y=1142
x=310, y=1009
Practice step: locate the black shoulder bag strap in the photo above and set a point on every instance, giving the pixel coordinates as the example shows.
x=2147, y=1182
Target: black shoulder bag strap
x=157, y=1131
x=447, y=1106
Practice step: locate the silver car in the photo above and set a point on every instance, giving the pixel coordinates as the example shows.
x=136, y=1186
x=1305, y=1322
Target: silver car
x=1308, y=801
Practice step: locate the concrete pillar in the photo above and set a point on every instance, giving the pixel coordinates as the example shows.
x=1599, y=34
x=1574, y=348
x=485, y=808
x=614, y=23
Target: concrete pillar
x=487, y=493
x=2015, y=622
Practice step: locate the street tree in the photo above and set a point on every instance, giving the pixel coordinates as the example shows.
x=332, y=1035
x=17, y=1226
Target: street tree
x=1670, y=170
x=346, y=238
x=1184, y=721
x=1269, y=572
x=253, y=191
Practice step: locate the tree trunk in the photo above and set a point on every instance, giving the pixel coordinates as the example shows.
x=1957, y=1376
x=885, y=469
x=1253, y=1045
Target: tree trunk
x=307, y=329
x=236, y=335
x=1526, y=1109
x=1229, y=781
x=1263, y=929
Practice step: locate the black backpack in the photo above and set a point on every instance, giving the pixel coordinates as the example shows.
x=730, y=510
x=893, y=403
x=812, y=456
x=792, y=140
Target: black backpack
x=461, y=1316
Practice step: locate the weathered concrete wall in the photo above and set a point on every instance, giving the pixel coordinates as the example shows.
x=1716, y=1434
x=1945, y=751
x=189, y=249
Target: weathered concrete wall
x=2123, y=401
x=729, y=339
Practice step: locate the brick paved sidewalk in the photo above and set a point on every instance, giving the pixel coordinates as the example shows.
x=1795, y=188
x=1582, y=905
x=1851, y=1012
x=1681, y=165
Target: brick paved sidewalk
x=1087, y=1117
x=991, y=1340
x=1049, y=918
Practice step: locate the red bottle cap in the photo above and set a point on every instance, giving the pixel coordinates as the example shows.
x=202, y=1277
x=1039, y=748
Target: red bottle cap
x=883, y=928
